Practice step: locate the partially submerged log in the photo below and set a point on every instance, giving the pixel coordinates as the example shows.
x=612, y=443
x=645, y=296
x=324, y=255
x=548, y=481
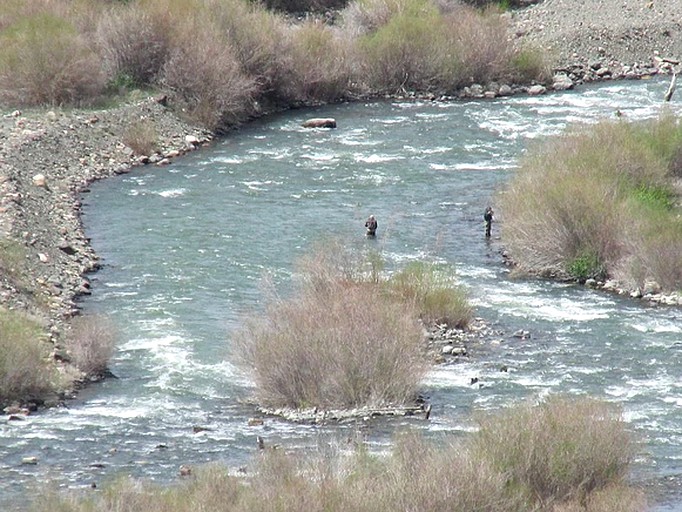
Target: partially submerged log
x=317, y=416
x=320, y=122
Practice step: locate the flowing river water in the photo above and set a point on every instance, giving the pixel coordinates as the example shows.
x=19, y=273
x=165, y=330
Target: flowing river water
x=185, y=249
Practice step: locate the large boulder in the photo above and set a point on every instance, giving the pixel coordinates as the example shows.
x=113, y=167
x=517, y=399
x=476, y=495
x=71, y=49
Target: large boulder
x=320, y=122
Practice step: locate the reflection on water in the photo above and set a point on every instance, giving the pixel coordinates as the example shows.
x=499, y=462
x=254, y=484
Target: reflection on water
x=185, y=249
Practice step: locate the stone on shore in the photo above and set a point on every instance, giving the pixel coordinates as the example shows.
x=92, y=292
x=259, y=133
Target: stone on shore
x=320, y=123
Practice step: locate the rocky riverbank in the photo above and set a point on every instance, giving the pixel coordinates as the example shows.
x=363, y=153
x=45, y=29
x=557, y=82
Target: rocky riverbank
x=47, y=160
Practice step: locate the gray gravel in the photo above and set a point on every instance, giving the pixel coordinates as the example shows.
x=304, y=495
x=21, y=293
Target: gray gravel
x=617, y=32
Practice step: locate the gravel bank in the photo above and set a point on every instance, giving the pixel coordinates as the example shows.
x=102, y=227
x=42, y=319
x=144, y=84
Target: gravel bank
x=47, y=159
x=621, y=34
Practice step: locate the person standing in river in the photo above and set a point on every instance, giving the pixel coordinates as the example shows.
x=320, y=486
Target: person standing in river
x=371, y=225
x=488, y=218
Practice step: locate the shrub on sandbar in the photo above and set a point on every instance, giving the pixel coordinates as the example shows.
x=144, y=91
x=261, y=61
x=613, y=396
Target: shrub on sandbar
x=432, y=290
x=340, y=341
x=341, y=346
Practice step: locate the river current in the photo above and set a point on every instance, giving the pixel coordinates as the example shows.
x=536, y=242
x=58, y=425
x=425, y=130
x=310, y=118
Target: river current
x=185, y=249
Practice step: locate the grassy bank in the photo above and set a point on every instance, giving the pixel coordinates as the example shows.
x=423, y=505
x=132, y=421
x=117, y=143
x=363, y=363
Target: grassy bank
x=560, y=456
x=601, y=202
x=350, y=335
x=220, y=61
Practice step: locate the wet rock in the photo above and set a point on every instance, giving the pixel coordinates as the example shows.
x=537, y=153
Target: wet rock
x=522, y=334
x=537, y=90
x=319, y=123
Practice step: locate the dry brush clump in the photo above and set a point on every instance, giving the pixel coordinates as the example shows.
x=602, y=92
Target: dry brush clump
x=344, y=346
x=348, y=336
x=599, y=203
x=578, y=463
x=91, y=340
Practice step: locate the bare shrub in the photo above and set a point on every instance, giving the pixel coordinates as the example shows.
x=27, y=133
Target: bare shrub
x=343, y=347
x=91, y=343
x=26, y=371
x=203, y=75
x=314, y=64
x=257, y=37
x=562, y=450
x=133, y=43
x=45, y=61
x=142, y=137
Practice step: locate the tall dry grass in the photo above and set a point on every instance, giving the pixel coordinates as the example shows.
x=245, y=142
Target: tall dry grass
x=598, y=203
x=26, y=371
x=582, y=446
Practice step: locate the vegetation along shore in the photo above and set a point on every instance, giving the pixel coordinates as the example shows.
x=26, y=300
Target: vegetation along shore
x=93, y=89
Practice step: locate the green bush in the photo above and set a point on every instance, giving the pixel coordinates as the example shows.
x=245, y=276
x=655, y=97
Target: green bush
x=433, y=291
x=562, y=450
x=406, y=52
x=26, y=371
x=598, y=202
x=45, y=61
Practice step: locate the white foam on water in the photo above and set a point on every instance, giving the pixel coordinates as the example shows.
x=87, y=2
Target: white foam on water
x=175, y=192
x=376, y=158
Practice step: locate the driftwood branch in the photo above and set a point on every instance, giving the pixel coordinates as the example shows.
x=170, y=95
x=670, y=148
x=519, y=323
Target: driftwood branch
x=671, y=87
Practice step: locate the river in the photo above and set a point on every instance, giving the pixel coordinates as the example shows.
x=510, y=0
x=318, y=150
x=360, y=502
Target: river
x=185, y=249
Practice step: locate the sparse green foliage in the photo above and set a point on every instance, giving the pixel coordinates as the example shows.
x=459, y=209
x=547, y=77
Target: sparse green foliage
x=599, y=203
x=26, y=371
